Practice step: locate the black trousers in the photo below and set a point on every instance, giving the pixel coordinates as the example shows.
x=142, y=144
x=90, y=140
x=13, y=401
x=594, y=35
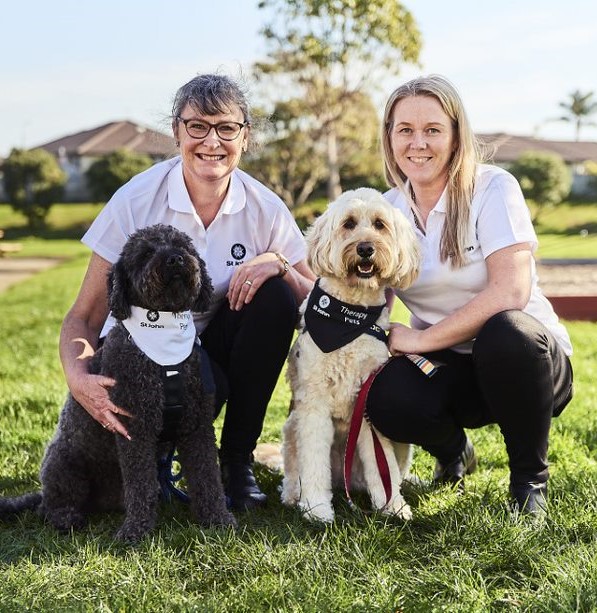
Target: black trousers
x=247, y=350
x=517, y=377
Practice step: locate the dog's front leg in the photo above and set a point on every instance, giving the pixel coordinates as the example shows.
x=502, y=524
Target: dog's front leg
x=314, y=439
x=140, y=485
x=199, y=461
x=291, y=487
x=396, y=505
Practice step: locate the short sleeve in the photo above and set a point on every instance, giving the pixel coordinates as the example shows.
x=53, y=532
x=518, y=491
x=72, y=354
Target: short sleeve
x=502, y=215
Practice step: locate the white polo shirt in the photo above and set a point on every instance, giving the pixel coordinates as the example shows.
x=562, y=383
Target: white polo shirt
x=499, y=218
x=252, y=220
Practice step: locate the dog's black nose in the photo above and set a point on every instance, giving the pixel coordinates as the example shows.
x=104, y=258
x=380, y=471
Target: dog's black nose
x=365, y=249
x=174, y=259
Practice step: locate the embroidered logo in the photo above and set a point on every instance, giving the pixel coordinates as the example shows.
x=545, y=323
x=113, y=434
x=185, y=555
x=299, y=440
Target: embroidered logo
x=324, y=302
x=153, y=315
x=238, y=251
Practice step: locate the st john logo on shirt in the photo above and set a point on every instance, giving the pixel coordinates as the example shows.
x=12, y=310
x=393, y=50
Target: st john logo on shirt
x=238, y=251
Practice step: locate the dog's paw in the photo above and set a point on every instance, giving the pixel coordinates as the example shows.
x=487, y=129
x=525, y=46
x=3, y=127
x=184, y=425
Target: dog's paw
x=289, y=496
x=322, y=512
x=131, y=533
x=399, y=509
x=65, y=520
x=225, y=520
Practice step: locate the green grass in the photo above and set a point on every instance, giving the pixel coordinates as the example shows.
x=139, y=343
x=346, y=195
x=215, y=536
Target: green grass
x=566, y=231
x=65, y=222
x=459, y=553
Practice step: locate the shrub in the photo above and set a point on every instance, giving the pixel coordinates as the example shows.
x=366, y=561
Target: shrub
x=543, y=177
x=113, y=170
x=33, y=181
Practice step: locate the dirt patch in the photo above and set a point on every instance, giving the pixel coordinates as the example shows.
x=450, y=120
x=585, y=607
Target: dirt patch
x=15, y=270
x=568, y=280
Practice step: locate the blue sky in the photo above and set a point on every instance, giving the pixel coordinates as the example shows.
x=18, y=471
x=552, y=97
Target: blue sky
x=70, y=65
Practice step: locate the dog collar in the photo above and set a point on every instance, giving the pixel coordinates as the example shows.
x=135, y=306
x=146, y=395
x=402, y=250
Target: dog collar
x=163, y=336
x=333, y=323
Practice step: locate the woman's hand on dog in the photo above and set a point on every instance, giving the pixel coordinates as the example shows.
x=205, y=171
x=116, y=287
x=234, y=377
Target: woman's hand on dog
x=91, y=392
x=249, y=277
x=403, y=339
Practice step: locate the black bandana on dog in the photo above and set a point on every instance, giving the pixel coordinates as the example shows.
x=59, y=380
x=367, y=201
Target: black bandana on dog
x=333, y=323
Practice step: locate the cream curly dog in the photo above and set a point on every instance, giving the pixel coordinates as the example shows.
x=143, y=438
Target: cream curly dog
x=153, y=287
x=360, y=246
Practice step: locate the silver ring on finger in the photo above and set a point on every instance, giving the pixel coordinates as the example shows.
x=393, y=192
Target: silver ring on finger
x=106, y=425
x=247, y=282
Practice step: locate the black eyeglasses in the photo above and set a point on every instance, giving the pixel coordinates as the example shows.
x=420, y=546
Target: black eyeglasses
x=226, y=130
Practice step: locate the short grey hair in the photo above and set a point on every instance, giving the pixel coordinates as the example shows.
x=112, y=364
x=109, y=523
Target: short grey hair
x=211, y=94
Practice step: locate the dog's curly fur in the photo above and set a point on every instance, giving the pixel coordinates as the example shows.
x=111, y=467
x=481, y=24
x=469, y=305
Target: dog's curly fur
x=88, y=469
x=325, y=385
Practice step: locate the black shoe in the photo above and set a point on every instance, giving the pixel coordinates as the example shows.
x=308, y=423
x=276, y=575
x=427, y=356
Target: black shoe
x=529, y=498
x=453, y=472
x=242, y=491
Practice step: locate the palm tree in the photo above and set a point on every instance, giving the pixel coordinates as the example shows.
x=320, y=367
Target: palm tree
x=578, y=109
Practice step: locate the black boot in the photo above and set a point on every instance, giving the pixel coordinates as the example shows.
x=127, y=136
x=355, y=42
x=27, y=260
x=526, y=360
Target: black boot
x=529, y=498
x=242, y=491
x=453, y=472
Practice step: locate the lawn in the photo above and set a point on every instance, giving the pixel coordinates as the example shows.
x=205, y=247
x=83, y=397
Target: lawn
x=566, y=231
x=459, y=553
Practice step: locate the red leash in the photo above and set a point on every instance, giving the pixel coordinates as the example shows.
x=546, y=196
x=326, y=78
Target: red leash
x=428, y=368
x=351, y=442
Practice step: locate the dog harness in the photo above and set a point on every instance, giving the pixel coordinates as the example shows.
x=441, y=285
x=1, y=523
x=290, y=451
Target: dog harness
x=333, y=323
x=168, y=339
x=173, y=406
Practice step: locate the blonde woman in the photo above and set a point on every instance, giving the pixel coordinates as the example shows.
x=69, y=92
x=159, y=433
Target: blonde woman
x=477, y=311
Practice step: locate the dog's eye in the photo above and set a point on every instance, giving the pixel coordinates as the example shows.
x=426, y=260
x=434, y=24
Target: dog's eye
x=378, y=224
x=350, y=223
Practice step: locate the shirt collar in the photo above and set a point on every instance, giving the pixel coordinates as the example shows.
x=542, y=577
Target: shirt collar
x=179, y=199
x=440, y=205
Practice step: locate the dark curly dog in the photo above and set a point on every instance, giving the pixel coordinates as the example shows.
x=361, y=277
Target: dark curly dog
x=88, y=469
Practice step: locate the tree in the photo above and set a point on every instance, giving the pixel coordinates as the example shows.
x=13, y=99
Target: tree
x=591, y=172
x=578, y=109
x=293, y=163
x=326, y=51
x=113, y=170
x=543, y=177
x=33, y=181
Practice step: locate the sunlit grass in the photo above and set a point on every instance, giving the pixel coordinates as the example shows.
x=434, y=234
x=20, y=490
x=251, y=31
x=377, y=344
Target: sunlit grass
x=459, y=553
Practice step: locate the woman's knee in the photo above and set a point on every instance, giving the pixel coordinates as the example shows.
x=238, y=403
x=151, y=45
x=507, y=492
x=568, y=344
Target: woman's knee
x=511, y=335
x=401, y=409
x=275, y=300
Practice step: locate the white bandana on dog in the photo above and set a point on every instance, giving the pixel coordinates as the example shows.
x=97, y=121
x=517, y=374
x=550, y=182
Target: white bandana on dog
x=165, y=337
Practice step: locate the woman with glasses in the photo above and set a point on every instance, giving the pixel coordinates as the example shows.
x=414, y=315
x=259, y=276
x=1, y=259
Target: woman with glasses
x=476, y=309
x=255, y=256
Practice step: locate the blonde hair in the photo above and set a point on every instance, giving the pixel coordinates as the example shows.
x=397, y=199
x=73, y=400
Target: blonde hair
x=461, y=176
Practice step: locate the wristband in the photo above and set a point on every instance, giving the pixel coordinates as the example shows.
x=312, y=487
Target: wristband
x=285, y=263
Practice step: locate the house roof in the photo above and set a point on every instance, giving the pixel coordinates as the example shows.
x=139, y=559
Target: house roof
x=114, y=135
x=508, y=147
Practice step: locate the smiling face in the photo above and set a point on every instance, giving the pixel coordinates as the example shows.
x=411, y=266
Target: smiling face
x=209, y=159
x=423, y=141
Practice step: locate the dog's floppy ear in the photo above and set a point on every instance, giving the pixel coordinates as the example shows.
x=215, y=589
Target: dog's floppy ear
x=118, y=292
x=206, y=292
x=319, y=242
x=409, y=255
